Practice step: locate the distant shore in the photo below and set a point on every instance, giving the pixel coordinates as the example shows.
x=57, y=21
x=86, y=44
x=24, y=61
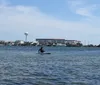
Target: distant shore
x=23, y=43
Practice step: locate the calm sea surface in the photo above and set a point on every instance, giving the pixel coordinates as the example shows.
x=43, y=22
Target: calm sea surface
x=65, y=66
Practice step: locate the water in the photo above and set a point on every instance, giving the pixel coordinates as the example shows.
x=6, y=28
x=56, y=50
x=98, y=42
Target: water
x=65, y=66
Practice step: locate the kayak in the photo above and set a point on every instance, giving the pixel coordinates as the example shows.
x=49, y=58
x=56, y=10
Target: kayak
x=44, y=53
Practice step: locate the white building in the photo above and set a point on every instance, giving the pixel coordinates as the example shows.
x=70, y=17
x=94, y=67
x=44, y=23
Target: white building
x=50, y=41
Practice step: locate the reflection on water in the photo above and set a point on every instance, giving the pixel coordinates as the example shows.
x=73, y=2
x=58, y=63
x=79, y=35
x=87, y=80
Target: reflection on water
x=65, y=66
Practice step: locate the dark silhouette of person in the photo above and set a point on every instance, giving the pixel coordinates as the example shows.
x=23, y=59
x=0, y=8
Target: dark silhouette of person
x=41, y=50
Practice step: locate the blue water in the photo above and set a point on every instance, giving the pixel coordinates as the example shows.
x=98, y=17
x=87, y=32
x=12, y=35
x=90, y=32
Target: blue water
x=65, y=66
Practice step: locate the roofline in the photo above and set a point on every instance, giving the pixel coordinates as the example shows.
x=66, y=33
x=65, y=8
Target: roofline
x=49, y=39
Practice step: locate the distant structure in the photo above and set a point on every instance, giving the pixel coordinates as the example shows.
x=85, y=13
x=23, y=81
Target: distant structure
x=58, y=42
x=26, y=34
x=44, y=41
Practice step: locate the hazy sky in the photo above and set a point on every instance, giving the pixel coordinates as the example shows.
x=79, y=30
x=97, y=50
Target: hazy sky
x=68, y=19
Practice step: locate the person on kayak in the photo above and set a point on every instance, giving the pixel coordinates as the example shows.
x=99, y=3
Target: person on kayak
x=41, y=50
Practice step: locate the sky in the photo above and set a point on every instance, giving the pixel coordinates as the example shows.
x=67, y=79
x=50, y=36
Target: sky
x=64, y=19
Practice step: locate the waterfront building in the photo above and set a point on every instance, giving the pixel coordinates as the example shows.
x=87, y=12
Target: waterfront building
x=50, y=41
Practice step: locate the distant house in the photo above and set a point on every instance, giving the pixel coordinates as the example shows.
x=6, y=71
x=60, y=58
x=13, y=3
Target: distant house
x=19, y=42
x=50, y=41
x=35, y=43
